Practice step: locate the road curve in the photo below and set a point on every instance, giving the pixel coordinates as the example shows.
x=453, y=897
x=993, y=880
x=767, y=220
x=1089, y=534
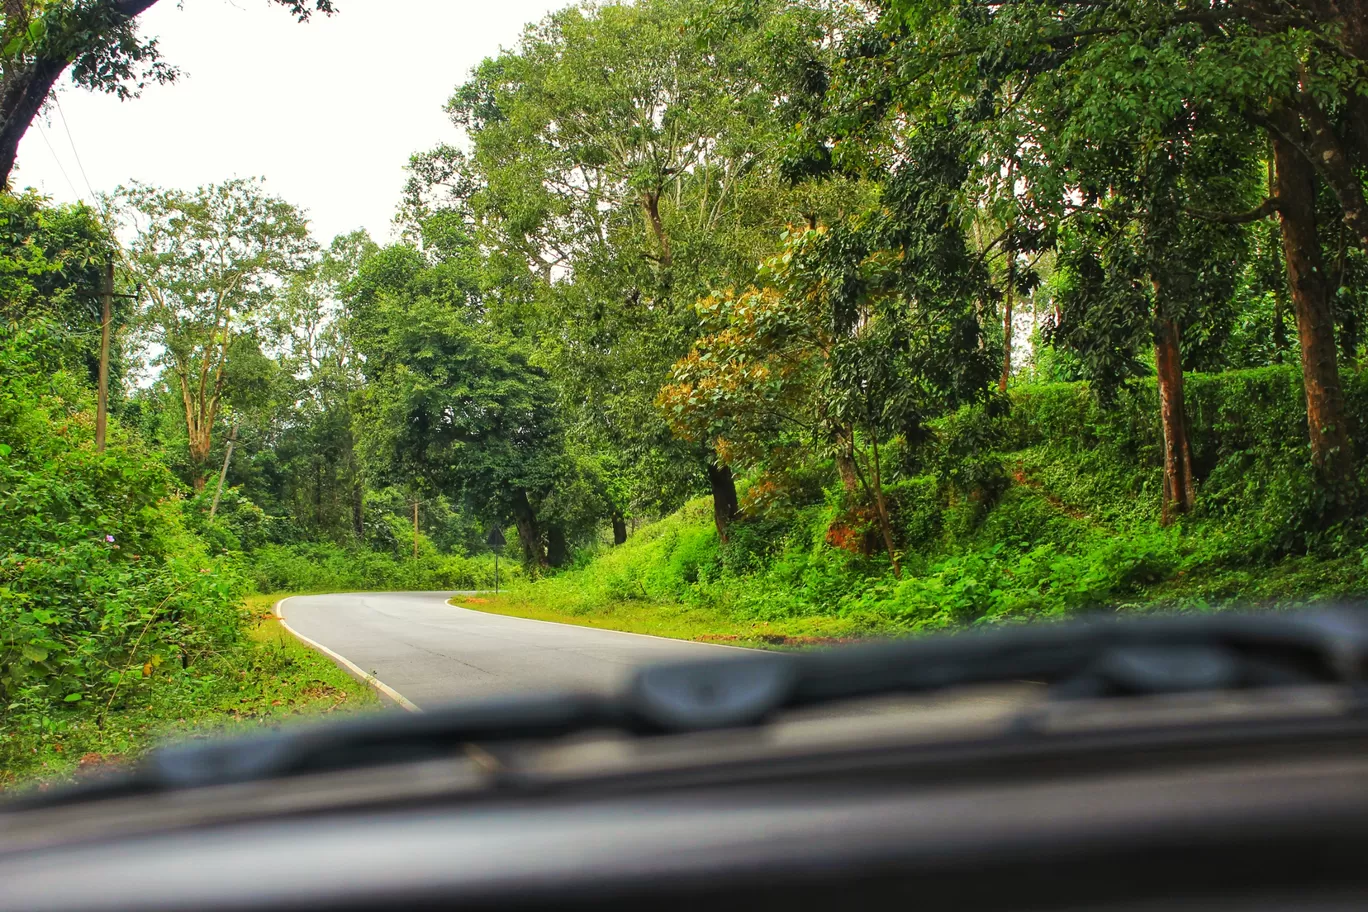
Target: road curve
x=430, y=652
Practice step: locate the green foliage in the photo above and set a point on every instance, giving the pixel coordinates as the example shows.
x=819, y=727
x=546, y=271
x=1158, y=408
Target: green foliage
x=322, y=567
x=209, y=263
x=795, y=244
x=1044, y=510
x=269, y=678
x=102, y=586
x=1248, y=442
x=448, y=409
x=52, y=261
x=667, y=187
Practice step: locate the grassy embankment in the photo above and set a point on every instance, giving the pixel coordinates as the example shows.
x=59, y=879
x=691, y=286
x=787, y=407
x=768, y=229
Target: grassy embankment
x=1049, y=509
x=272, y=678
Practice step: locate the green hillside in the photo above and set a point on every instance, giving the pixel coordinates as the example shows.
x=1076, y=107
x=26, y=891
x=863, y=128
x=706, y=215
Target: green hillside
x=1056, y=513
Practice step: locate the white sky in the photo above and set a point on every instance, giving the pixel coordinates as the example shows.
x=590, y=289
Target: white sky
x=328, y=111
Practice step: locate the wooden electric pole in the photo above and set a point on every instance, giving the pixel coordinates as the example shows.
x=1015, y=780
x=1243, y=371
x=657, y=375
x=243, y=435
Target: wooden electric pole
x=415, y=528
x=106, y=321
x=218, y=492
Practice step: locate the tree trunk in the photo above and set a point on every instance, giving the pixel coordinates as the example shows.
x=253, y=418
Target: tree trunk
x=318, y=494
x=529, y=533
x=650, y=201
x=725, y=503
x=199, y=423
x=845, y=465
x=199, y=457
x=26, y=91
x=1179, y=485
x=1349, y=339
x=1358, y=121
x=20, y=103
x=619, y=529
x=1279, y=326
x=1007, y=322
x=881, y=505
x=1330, y=451
x=1327, y=152
x=358, y=508
x=557, y=548
x=843, y=440
x=1280, y=286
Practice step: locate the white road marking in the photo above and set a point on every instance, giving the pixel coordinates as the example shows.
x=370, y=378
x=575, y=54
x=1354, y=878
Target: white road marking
x=366, y=676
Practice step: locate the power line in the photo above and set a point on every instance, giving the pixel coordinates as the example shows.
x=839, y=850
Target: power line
x=43, y=133
x=94, y=199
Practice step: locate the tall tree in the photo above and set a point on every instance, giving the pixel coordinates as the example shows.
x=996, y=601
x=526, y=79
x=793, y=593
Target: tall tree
x=869, y=329
x=311, y=448
x=627, y=156
x=1298, y=71
x=211, y=263
x=446, y=408
x=98, y=40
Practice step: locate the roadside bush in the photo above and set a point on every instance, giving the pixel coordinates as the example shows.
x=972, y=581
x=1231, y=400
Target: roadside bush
x=1049, y=509
x=324, y=567
x=102, y=586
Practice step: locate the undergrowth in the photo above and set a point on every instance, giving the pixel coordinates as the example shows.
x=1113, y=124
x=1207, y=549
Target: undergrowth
x=326, y=567
x=1060, y=517
x=268, y=678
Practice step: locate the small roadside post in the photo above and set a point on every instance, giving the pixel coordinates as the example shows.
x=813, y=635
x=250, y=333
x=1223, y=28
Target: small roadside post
x=496, y=542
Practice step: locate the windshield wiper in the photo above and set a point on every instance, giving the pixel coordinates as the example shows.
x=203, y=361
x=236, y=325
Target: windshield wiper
x=1138, y=656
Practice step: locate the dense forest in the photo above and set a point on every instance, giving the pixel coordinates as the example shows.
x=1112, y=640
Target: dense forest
x=790, y=318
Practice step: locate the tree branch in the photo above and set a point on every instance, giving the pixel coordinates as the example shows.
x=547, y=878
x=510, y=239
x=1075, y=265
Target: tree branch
x=1262, y=211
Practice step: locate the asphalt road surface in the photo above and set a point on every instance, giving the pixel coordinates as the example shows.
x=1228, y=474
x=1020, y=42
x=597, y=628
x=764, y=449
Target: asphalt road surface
x=430, y=652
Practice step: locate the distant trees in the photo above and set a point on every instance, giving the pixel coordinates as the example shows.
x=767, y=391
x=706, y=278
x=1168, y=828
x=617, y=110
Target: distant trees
x=1128, y=143
x=212, y=264
x=932, y=168
x=1138, y=75
x=448, y=406
x=695, y=246
x=625, y=159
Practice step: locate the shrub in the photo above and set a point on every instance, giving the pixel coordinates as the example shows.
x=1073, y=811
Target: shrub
x=325, y=567
x=102, y=587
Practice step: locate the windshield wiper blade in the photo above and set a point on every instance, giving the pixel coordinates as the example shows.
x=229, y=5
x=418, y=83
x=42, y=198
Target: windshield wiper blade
x=1137, y=656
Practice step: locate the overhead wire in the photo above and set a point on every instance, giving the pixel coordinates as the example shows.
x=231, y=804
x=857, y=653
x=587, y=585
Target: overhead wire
x=94, y=197
x=43, y=133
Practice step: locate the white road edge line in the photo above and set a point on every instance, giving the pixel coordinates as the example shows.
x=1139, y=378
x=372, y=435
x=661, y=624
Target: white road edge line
x=650, y=636
x=366, y=676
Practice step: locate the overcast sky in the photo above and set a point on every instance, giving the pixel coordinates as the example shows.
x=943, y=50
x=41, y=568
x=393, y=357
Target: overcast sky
x=328, y=112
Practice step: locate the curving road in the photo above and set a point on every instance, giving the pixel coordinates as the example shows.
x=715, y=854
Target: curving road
x=427, y=652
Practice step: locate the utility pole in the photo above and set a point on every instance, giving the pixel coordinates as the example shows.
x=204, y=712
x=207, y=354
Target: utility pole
x=415, y=528
x=232, y=438
x=496, y=542
x=106, y=321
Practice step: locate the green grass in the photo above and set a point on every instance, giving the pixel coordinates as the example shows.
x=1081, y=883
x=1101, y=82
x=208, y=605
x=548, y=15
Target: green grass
x=270, y=680
x=680, y=622
x=1049, y=547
